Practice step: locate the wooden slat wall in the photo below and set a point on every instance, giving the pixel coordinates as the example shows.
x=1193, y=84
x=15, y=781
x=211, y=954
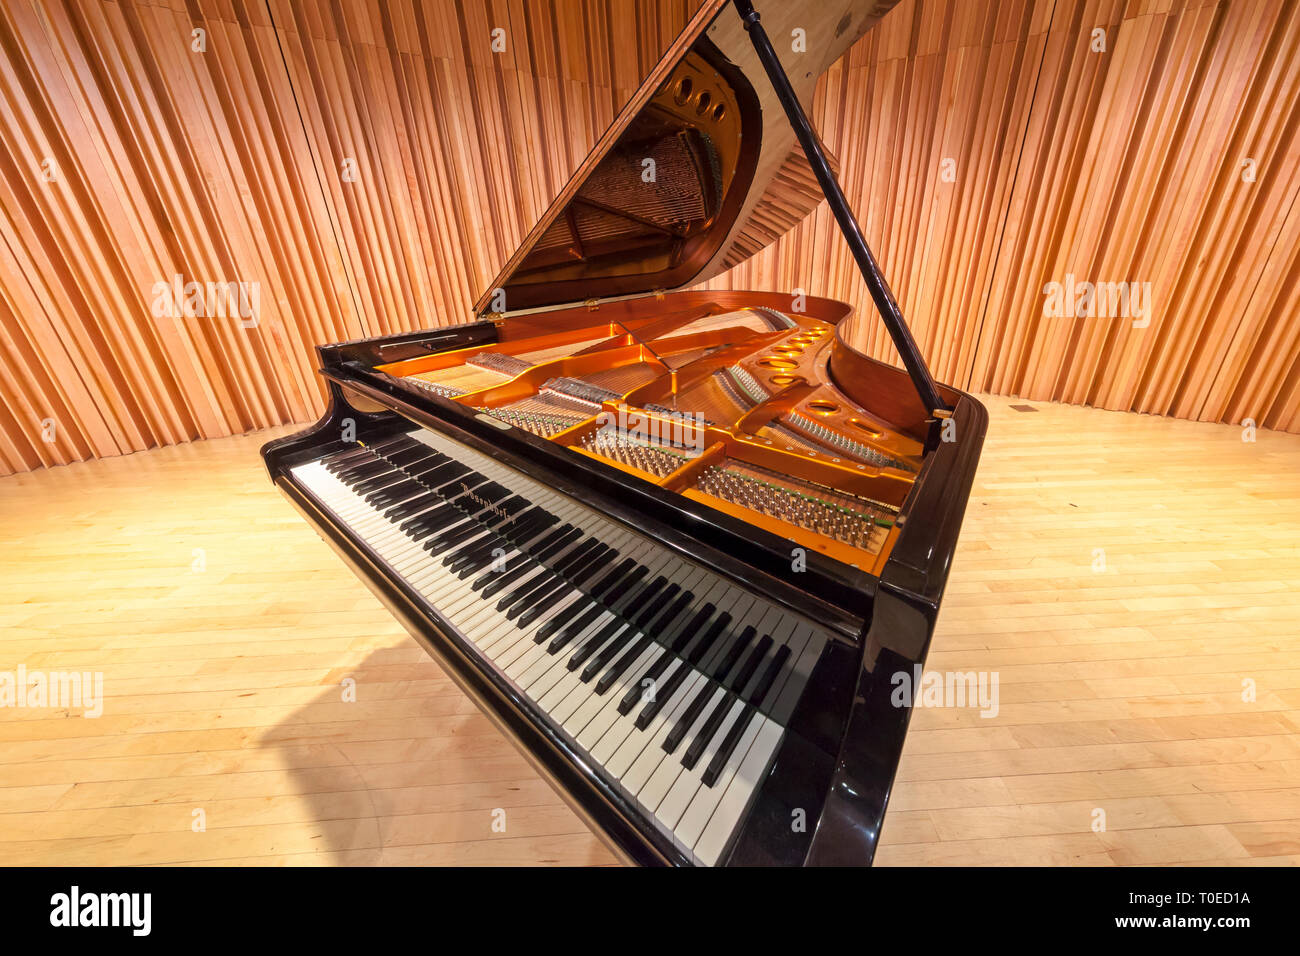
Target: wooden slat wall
x=229, y=165
x=169, y=162
x=1117, y=166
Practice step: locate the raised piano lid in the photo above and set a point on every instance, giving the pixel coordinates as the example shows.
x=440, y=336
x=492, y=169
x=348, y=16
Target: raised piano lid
x=699, y=171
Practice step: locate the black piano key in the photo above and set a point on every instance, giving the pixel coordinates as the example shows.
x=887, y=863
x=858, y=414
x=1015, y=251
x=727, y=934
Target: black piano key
x=431, y=471
x=491, y=575
x=474, y=521
x=597, y=663
x=609, y=602
x=723, y=753
x=529, y=528
x=550, y=627
x=703, y=695
x=481, y=557
x=544, y=601
x=545, y=550
x=699, y=648
x=525, y=524
x=570, y=626
x=770, y=673
x=555, y=537
x=341, y=458
x=345, y=459
x=595, y=641
x=692, y=627
x=444, y=512
x=580, y=623
x=622, y=663
x=711, y=724
x=625, y=586
x=381, y=480
x=643, y=596
x=665, y=616
x=738, y=679
x=652, y=590
x=366, y=465
x=638, y=688
x=353, y=474
x=385, y=499
x=492, y=523
x=526, y=537
x=658, y=608
x=428, y=522
x=409, y=456
x=472, y=550
x=662, y=694
x=491, y=490
x=565, y=580
x=455, y=535
x=586, y=550
x=474, y=557
x=393, y=494
x=655, y=670
x=572, y=574
x=573, y=562
x=549, y=576
x=660, y=623
x=567, y=624
x=724, y=665
x=411, y=507
x=610, y=578
x=393, y=443
x=418, y=495
x=755, y=697
x=452, y=480
x=494, y=583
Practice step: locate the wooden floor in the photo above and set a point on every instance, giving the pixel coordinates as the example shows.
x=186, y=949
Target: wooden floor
x=225, y=632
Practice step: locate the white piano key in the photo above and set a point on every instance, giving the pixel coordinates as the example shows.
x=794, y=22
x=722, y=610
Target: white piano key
x=722, y=824
x=692, y=822
x=680, y=794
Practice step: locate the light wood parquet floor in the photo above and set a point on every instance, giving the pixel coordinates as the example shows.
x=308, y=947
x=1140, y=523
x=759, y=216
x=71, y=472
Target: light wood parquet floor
x=1128, y=579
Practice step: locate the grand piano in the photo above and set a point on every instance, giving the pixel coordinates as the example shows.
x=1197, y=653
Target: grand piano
x=677, y=544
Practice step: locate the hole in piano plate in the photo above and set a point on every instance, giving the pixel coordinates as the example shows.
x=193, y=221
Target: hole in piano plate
x=871, y=432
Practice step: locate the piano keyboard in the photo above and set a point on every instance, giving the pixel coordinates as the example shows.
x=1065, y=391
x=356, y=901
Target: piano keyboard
x=675, y=682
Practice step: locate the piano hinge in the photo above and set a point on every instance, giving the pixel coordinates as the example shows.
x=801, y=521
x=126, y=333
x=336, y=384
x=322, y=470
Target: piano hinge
x=659, y=294
x=593, y=305
x=941, y=413
x=496, y=318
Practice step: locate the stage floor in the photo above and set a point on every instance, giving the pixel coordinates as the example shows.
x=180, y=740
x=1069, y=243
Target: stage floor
x=1131, y=581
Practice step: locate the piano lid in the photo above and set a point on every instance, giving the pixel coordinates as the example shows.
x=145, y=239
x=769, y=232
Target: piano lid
x=699, y=171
